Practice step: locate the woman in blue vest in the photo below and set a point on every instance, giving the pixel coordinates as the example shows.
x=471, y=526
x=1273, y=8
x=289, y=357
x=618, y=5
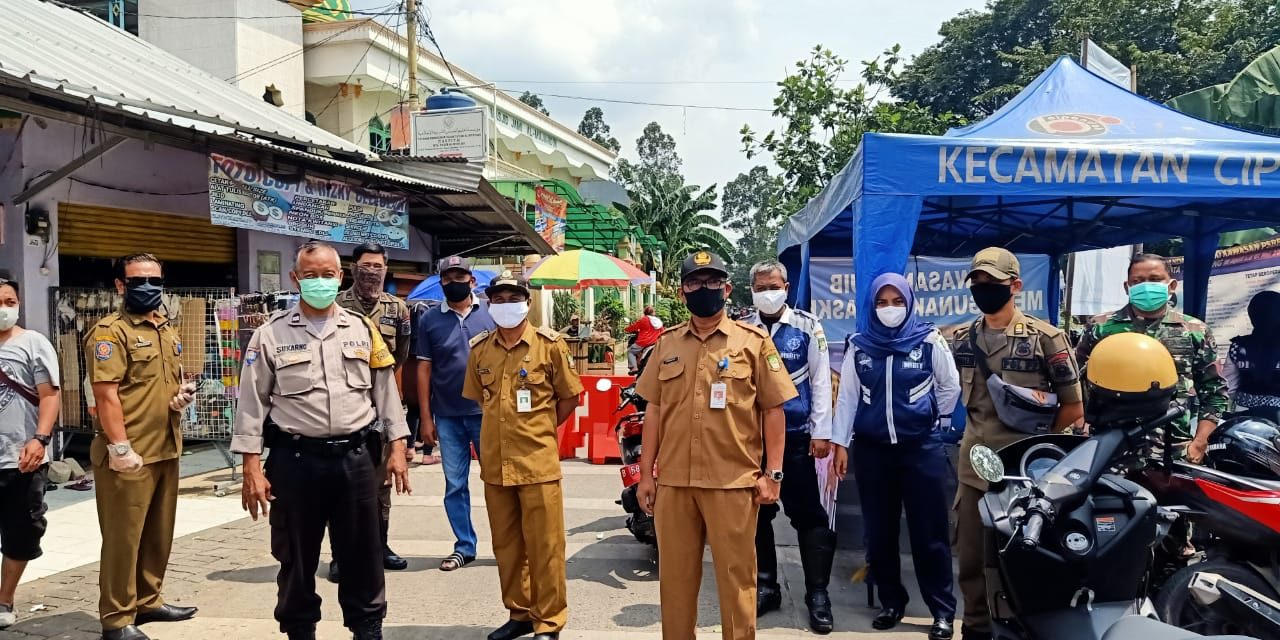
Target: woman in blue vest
x=898, y=378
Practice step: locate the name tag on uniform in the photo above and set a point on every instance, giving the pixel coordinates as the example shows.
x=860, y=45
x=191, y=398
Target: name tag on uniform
x=719, y=395
x=524, y=401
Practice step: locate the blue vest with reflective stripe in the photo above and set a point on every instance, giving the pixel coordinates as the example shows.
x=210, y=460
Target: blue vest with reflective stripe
x=906, y=381
x=792, y=341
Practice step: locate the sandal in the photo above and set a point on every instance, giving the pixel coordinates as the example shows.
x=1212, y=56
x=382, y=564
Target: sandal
x=455, y=561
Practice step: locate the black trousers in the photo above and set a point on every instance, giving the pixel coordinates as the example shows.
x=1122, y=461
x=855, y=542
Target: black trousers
x=910, y=476
x=802, y=501
x=312, y=491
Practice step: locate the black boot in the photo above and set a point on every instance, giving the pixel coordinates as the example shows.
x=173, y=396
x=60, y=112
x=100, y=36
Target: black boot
x=390, y=560
x=304, y=633
x=367, y=630
x=817, y=552
x=768, y=592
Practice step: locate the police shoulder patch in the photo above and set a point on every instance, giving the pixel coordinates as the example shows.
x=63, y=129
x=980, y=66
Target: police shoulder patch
x=250, y=357
x=103, y=349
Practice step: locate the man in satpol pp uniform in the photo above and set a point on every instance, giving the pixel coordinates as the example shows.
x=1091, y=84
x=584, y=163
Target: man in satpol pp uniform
x=1026, y=352
x=716, y=390
x=1201, y=387
x=318, y=388
x=445, y=336
x=135, y=370
x=390, y=315
x=801, y=343
x=524, y=380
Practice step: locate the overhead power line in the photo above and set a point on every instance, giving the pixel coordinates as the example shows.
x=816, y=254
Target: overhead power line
x=651, y=104
x=289, y=56
x=655, y=82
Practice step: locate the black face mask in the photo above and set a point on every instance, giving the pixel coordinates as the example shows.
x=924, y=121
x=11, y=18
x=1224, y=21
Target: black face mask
x=705, y=303
x=991, y=296
x=143, y=298
x=456, y=291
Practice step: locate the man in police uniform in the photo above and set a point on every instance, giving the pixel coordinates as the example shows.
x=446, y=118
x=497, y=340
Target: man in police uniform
x=1027, y=352
x=1201, y=386
x=325, y=379
x=136, y=375
x=715, y=389
x=525, y=383
x=802, y=344
x=391, y=317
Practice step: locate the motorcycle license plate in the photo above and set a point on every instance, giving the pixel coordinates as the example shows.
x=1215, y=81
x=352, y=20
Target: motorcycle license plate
x=630, y=475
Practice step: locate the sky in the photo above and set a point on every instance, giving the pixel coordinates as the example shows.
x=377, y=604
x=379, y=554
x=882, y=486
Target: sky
x=723, y=53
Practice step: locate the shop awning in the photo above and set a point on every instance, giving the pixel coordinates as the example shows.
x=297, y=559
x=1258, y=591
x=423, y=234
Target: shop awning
x=63, y=64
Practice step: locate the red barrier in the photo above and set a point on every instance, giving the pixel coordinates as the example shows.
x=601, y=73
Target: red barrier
x=595, y=429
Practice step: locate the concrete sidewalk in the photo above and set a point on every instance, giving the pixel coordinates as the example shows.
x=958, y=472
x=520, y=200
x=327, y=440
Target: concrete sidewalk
x=226, y=569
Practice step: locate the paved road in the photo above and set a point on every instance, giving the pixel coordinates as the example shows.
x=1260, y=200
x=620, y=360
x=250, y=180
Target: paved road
x=228, y=572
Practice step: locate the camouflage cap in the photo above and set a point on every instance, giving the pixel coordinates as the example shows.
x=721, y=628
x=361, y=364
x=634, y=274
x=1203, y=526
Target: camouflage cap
x=996, y=262
x=506, y=281
x=453, y=262
x=702, y=260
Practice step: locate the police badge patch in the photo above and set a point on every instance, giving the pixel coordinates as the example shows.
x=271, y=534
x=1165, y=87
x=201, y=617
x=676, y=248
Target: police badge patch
x=1022, y=348
x=775, y=363
x=103, y=349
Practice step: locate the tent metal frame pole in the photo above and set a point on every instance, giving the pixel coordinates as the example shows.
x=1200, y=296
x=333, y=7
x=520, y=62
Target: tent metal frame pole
x=1071, y=267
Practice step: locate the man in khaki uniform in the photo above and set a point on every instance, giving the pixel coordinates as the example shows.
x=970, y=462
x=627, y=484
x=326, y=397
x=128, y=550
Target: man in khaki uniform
x=325, y=379
x=524, y=380
x=390, y=315
x=1026, y=352
x=136, y=376
x=715, y=389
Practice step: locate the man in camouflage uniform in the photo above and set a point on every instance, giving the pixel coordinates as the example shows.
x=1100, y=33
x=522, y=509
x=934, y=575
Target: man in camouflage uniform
x=1201, y=387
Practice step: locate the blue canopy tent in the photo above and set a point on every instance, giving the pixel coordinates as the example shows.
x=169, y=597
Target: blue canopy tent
x=1071, y=163
x=429, y=289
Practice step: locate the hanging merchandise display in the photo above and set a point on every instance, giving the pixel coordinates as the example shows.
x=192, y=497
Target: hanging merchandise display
x=207, y=326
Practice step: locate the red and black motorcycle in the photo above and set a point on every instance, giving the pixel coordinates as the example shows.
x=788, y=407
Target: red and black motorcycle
x=1233, y=502
x=628, y=430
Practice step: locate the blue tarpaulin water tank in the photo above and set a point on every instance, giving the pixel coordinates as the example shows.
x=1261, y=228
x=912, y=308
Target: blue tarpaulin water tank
x=449, y=100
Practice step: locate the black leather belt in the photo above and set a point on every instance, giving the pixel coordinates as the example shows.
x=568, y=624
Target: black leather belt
x=328, y=447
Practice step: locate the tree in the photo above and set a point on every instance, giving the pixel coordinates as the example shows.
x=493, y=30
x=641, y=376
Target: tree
x=750, y=206
x=986, y=56
x=823, y=123
x=677, y=215
x=656, y=150
x=534, y=101
x=594, y=128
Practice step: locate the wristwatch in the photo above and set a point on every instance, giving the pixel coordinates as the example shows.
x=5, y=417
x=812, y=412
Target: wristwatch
x=119, y=449
x=42, y=439
x=775, y=475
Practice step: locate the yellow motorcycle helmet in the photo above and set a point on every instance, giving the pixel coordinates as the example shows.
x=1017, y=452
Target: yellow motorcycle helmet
x=1129, y=377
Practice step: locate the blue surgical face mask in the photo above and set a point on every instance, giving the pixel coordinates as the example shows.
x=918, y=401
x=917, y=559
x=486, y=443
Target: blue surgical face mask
x=319, y=293
x=1149, y=296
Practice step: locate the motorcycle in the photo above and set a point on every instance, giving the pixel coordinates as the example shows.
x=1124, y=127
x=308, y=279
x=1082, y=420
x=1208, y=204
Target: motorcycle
x=1069, y=541
x=1236, y=520
x=628, y=430
x=1250, y=610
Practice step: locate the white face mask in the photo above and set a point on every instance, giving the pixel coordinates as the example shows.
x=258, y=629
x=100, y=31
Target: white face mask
x=769, y=302
x=8, y=317
x=509, y=315
x=892, y=317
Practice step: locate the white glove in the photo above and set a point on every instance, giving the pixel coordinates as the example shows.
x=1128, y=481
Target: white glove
x=130, y=462
x=185, y=396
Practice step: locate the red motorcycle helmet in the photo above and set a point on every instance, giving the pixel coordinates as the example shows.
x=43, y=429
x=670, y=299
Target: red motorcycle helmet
x=1246, y=446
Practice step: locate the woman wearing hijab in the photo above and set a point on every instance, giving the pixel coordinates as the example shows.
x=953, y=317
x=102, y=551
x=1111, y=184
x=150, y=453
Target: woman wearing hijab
x=898, y=378
x=1252, y=368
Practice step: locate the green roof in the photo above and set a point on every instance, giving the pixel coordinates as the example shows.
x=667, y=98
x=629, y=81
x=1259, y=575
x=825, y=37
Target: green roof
x=590, y=226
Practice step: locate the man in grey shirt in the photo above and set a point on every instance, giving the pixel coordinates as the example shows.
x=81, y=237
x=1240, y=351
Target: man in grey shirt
x=29, y=405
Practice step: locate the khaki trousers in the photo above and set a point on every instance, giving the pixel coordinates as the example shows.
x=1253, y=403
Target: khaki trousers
x=687, y=519
x=135, y=514
x=527, y=523
x=972, y=564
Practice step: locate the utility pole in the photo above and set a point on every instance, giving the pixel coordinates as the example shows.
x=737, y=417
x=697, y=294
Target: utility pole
x=411, y=34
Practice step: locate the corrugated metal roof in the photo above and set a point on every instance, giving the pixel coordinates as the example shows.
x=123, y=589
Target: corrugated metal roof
x=459, y=176
x=427, y=176
x=54, y=47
